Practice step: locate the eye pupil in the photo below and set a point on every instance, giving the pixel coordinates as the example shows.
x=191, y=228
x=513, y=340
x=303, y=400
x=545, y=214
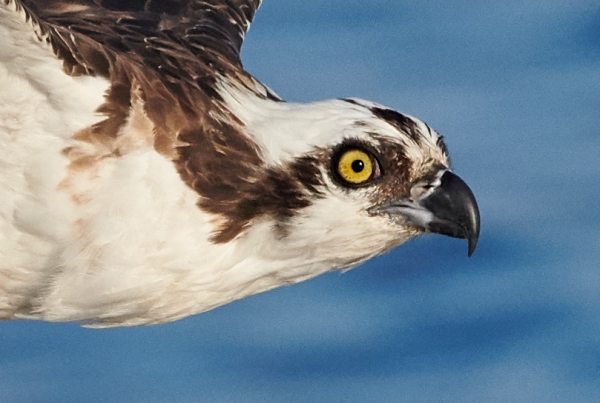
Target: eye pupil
x=358, y=166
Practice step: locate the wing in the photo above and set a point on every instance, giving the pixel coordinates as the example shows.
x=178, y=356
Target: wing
x=88, y=34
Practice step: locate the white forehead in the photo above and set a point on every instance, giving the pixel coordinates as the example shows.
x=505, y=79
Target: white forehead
x=284, y=131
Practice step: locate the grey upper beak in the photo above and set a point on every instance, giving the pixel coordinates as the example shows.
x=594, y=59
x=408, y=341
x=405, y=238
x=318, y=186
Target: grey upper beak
x=449, y=209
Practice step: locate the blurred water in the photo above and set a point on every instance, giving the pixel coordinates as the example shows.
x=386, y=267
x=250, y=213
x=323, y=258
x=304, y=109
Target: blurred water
x=514, y=88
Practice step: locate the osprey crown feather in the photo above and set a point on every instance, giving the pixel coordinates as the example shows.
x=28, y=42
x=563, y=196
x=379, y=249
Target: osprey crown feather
x=145, y=176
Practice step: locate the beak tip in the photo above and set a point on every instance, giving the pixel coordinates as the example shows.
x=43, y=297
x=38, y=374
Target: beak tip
x=471, y=247
x=473, y=232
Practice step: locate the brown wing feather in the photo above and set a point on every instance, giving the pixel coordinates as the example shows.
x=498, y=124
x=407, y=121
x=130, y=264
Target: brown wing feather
x=209, y=31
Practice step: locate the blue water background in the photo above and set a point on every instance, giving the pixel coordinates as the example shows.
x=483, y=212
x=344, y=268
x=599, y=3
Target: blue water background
x=514, y=87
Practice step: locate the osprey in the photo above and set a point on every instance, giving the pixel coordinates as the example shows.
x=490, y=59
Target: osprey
x=145, y=176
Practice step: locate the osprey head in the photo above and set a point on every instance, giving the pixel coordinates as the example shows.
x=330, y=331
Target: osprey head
x=350, y=179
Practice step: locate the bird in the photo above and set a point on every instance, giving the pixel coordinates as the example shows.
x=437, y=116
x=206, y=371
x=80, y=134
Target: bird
x=146, y=176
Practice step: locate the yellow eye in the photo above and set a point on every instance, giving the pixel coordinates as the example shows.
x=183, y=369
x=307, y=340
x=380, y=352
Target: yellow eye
x=355, y=166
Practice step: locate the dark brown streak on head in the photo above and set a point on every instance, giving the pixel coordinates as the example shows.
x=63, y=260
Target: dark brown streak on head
x=442, y=145
x=396, y=167
x=401, y=122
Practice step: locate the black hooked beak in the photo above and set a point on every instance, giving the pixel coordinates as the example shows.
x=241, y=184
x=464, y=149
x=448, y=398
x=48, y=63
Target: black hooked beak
x=449, y=209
